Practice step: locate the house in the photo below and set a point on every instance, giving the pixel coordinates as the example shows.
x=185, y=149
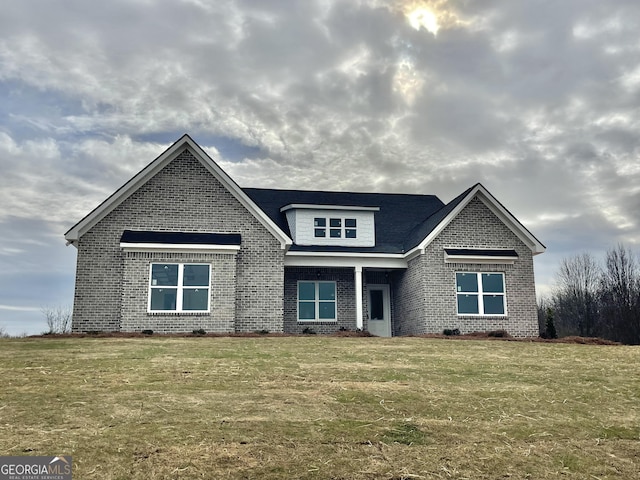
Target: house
x=181, y=247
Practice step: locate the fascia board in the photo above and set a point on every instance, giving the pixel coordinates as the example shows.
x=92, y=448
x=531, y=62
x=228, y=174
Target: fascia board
x=342, y=259
x=478, y=259
x=308, y=206
x=510, y=221
x=441, y=226
x=153, y=168
x=238, y=193
x=124, y=192
x=496, y=207
x=179, y=248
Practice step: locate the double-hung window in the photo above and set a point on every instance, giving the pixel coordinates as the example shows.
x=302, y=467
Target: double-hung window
x=179, y=287
x=480, y=293
x=317, y=301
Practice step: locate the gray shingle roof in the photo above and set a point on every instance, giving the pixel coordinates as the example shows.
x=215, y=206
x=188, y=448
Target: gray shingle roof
x=401, y=222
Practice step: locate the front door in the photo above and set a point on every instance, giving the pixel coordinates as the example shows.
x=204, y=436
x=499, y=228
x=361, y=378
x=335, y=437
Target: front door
x=379, y=310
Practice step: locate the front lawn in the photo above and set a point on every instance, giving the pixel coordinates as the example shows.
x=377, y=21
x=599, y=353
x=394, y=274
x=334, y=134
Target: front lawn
x=322, y=407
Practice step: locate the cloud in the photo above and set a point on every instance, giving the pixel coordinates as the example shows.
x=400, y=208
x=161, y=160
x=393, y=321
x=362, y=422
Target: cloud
x=536, y=100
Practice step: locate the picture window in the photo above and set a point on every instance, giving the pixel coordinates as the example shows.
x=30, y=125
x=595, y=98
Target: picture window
x=179, y=287
x=480, y=293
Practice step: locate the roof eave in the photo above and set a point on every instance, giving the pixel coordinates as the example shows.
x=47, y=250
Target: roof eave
x=497, y=208
x=126, y=190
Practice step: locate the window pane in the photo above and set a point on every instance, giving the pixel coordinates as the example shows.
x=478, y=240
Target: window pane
x=306, y=310
x=350, y=233
x=195, y=299
x=493, y=304
x=306, y=291
x=164, y=274
x=320, y=232
x=377, y=305
x=350, y=222
x=196, y=275
x=466, y=282
x=327, y=291
x=468, y=304
x=319, y=222
x=336, y=233
x=492, y=283
x=327, y=311
x=163, y=298
x=335, y=222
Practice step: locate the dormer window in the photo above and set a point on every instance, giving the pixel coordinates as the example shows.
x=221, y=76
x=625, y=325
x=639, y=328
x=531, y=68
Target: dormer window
x=320, y=227
x=331, y=225
x=338, y=227
x=350, y=228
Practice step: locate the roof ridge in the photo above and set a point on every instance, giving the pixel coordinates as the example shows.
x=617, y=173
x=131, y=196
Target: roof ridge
x=339, y=192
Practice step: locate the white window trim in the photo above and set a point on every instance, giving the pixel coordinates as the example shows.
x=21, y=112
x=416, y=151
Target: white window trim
x=480, y=294
x=316, y=301
x=180, y=289
x=343, y=228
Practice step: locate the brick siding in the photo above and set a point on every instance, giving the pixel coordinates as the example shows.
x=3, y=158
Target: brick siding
x=135, y=294
x=185, y=197
x=427, y=292
x=345, y=298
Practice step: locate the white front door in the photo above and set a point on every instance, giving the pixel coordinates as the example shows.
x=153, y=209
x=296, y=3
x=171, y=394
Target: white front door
x=379, y=310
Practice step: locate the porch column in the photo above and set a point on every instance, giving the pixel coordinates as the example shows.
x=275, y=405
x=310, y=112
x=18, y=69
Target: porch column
x=358, y=284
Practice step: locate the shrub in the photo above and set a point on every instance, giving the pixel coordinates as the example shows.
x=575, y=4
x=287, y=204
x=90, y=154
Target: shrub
x=498, y=334
x=147, y=332
x=451, y=332
x=262, y=332
x=550, y=327
x=199, y=331
x=308, y=331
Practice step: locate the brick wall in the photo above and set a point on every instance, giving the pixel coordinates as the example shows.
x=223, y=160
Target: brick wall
x=135, y=294
x=345, y=298
x=185, y=197
x=427, y=289
x=408, y=291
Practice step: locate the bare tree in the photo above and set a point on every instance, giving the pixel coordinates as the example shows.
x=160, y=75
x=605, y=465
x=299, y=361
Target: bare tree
x=58, y=318
x=575, y=299
x=620, y=295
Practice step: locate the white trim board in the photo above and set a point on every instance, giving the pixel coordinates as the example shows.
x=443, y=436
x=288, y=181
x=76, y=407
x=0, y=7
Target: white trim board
x=125, y=191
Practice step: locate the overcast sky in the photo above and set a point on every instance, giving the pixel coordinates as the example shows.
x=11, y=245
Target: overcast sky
x=537, y=100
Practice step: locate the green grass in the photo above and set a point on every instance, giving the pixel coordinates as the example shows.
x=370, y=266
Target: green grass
x=322, y=407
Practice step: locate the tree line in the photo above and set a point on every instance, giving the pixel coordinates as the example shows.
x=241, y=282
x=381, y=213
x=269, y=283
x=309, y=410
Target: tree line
x=595, y=299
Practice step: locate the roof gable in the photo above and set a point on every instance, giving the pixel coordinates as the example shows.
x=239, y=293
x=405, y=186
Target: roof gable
x=433, y=226
x=148, y=172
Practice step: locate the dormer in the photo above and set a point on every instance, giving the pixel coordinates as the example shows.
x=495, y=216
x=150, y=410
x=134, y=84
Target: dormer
x=331, y=225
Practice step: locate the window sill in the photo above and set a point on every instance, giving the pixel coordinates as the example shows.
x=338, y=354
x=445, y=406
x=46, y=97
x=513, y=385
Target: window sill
x=305, y=322
x=175, y=313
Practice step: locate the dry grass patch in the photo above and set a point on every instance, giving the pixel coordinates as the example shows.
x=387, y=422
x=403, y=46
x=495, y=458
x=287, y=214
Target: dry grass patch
x=321, y=407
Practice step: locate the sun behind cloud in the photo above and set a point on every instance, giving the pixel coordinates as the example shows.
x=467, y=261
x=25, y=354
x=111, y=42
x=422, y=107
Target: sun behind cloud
x=430, y=15
x=424, y=18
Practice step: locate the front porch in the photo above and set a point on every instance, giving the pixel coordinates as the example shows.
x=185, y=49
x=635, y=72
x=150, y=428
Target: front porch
x=328, y=299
